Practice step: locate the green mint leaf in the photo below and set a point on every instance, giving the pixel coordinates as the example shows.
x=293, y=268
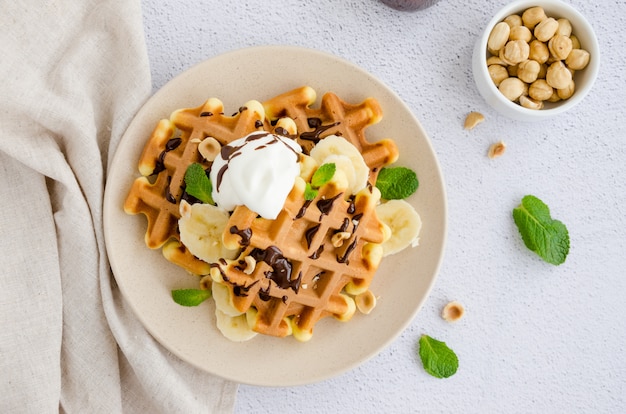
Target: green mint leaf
x=438, y=360
x=323, y=174
x=541, y=234
x=396, y=183
x=197, y=184
x=309, y=192
x=190, y=297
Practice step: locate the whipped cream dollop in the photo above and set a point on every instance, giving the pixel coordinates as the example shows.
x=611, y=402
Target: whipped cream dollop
x=257, y=171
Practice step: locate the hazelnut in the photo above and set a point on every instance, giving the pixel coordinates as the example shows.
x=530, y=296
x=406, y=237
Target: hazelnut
x=546, y=29
x=565, y=27
x=512, y=88
x=496, y=150
x=528, y=70
x=498, y=73
x=515, y=51
x=453, y=311
x=577, y=59
x=521, y=33
x=473, y=119
x=538, y=51
x=532, y=16
x=567, y=92
x=513, y=20
x=560, y=46
x=530, y=103
x=209, y=148
x=540, y=90
x=558, y=76
x=498, y=37
x=365, y=302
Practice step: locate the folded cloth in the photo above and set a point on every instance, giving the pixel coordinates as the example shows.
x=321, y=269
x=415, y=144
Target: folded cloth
x=73, y=74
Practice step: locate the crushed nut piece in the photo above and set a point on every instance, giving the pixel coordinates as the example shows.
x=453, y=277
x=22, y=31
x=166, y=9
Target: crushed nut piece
x=205, y=282
x=473, y=119
x=209, y=148
x=250, y=265
x=365, y=302
x=338, y=238
x=496, y=150
x=453, y=311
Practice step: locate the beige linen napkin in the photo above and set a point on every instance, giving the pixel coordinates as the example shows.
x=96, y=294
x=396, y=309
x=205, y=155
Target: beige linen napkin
x=72, y=75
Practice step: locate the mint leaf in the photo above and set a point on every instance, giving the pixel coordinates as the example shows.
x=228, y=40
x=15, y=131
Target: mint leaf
x=438, y=360
x=323, y=174
x=309, y=192
x=190, y=297
x=396, y=183
x=197, y=184
x=541, y=234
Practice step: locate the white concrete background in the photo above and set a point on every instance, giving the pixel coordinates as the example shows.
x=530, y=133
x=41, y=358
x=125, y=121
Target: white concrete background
x=536, y=338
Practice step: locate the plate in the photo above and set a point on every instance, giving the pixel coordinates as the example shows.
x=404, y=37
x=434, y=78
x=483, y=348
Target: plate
x=146, y=278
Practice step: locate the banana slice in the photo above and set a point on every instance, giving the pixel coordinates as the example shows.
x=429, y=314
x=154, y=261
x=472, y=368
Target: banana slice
x=234, y=328
x=201, y=227
x=403, y=221
x=223, y=302
x=327, y=150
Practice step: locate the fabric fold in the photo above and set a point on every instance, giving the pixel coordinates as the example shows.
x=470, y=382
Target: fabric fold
x=74, y=74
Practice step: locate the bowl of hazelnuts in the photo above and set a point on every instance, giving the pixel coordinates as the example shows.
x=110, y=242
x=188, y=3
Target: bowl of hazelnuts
x=536, y=59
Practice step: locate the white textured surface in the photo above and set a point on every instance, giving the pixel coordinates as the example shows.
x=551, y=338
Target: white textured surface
x=536, y=338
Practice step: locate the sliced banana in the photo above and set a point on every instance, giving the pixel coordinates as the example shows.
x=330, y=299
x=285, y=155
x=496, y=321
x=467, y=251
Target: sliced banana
x=234, y=328
x=326, y=151
x=223, y=299
x=403, y=221
x=201, y=227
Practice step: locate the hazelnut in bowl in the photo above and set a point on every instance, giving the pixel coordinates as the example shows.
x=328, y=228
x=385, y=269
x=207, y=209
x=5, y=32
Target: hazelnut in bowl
x=536, y=59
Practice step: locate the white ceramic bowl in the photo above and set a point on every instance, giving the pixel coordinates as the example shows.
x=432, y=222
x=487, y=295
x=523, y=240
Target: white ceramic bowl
x=583, y=79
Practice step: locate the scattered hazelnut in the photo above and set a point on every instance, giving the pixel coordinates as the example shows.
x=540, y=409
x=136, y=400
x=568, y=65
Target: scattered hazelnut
x=472, y=119
x=338, y=238
x=496, y=150
x=365, y=302
x=453, y=311
x=250, y=265
x=209, y=148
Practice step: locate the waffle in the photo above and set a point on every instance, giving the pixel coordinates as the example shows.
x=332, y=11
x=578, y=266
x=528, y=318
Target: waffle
x=173, y=146
x=292, y=271
x=334, y=116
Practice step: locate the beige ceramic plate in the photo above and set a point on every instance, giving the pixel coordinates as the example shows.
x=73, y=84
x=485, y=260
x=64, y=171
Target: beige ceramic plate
x=146, y=278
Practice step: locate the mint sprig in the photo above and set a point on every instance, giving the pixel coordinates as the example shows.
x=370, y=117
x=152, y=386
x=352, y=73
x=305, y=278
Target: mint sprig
x=543, y=235
x=396, y=183
x=197, y=184
x=321, y=176
x=438, y=360
x=190, y=297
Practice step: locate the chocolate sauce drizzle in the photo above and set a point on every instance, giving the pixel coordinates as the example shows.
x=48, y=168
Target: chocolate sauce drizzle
x=170, y=145
x=314, y=135
x=245, y=234
x=282, y=268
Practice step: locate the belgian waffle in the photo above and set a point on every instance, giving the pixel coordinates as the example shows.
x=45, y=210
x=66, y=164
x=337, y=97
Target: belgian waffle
x=173, y=146
x=334, y=117
x=293, y=271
